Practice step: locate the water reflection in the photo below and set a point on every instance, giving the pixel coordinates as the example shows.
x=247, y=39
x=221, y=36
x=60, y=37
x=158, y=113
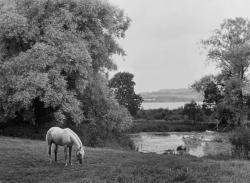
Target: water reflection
x=197, y=144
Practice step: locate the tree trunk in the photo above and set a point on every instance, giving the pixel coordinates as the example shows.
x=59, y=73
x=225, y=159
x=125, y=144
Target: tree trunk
x=241, y=102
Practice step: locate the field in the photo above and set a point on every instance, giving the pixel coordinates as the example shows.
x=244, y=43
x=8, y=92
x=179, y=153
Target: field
x=24, y=160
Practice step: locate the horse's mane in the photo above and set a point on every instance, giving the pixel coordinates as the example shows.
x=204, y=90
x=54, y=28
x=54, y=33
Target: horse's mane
x=76, y=137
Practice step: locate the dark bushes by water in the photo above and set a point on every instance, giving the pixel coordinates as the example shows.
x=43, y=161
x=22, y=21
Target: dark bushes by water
x=91, y=135
x=169, y=126
x=160, y=114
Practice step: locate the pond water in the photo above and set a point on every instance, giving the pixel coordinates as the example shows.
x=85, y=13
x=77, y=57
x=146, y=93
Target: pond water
x=197, y=144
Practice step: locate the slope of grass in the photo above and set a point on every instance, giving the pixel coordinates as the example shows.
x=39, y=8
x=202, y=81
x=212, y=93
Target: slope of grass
x=24, y=160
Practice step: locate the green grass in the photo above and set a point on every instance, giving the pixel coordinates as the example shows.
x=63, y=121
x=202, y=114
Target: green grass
x=24, y=160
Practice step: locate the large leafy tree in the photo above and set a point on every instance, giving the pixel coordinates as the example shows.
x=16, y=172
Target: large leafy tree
x=229, y=48
x=50, y=50
x=122, y=85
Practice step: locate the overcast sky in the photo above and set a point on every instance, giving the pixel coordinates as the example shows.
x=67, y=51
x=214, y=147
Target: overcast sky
x=162, y=43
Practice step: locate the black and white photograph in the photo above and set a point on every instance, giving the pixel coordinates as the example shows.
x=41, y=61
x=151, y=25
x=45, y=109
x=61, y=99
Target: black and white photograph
x=122, y=91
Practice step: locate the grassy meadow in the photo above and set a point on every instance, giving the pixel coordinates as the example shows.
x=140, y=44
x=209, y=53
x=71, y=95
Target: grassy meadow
x=23, y=160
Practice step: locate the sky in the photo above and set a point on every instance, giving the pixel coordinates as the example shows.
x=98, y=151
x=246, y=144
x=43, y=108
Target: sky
x=163, y=42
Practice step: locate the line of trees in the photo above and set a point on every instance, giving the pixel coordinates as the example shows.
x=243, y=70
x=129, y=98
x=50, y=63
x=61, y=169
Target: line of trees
x=190, y=113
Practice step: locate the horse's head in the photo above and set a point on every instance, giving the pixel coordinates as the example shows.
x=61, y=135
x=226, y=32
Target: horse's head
x=80, y=155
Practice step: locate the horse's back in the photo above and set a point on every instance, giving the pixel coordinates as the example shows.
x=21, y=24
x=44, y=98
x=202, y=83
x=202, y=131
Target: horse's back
x=58, y=136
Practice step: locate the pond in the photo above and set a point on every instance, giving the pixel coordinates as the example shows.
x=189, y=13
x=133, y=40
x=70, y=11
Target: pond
x=197, y=143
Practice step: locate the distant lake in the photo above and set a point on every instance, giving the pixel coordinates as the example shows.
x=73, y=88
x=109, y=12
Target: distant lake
x=169, y=105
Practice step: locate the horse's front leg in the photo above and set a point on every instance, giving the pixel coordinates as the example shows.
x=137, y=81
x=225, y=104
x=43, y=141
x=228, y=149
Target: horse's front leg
x=65, y=155
x=70, y=150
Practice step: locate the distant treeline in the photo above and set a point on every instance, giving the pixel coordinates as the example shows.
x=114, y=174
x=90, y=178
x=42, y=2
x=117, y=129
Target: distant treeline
x=160, y=114
x=191, y=112
x=169, y=126
x=191, y=117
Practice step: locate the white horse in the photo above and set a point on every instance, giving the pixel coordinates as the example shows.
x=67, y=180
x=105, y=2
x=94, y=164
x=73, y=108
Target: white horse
x=67, y=138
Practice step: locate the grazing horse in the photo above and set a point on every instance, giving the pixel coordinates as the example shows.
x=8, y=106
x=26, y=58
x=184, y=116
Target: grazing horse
x=67, y=138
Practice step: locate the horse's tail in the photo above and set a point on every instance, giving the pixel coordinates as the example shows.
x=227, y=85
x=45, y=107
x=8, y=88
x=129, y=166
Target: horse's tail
x=48, y=137
x=48, y=140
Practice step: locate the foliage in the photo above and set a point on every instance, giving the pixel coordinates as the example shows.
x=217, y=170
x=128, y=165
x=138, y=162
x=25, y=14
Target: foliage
x=175, y=115
x=144, y=125
x=122, y=85
x=99, y=104
x=160, y=114
x=192, y=117
x=192, y=110
x=215, y=104
x=49, y=52
x=229, y=48
x=212, y=94
x=54, y=60
x=240, y=139
x=225, y=114
x=105, y=120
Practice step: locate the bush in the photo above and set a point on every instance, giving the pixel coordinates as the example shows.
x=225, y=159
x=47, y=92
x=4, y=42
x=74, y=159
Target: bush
x=160, y=114
x=106, y=120
x=240, y=139
x=226, y=114
x=95, y=133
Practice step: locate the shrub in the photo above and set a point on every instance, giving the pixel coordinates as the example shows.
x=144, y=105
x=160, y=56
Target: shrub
x=226, y=114
x=106, y=119
x=240, y=139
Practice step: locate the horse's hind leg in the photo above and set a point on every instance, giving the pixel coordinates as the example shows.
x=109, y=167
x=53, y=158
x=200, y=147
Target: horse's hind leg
x=56, y=148
x=50, y=159
x=65, y=155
